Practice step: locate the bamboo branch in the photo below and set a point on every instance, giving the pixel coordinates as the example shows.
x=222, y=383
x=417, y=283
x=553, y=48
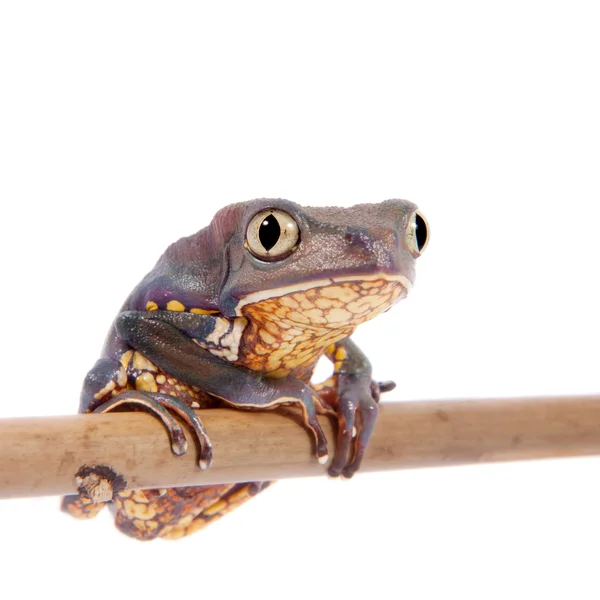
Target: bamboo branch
x=40, y=456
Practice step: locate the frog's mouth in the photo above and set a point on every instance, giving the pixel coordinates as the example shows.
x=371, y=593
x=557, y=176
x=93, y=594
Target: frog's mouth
x=328, y=303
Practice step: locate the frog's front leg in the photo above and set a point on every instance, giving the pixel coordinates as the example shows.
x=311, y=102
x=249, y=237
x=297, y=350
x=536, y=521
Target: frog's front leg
x=353, y=395
x=166, y=338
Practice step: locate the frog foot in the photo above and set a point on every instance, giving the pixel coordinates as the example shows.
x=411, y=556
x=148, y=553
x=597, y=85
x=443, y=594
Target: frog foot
x=159, y=405
x=357, y=410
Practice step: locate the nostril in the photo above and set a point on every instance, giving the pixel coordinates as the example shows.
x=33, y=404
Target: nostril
x=357, y=236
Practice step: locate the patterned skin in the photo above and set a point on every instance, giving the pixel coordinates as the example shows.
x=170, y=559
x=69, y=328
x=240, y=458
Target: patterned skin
x=238, y=314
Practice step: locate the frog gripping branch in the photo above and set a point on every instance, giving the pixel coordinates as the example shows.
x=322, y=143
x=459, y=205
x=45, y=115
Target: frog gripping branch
x=238, y=315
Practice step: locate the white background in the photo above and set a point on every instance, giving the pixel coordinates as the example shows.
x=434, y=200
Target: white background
x=124, y=126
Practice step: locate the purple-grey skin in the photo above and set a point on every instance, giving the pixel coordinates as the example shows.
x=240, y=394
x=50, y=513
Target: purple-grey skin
x=233, y=323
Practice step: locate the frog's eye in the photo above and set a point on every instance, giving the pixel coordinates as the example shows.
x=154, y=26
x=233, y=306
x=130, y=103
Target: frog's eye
x=272, y=234
x=417, y=234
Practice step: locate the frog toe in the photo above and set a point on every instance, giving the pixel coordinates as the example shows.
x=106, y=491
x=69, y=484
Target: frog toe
x=381, y=387
x=160, y=406
x=368, y=412
x=193, y=422
x=346, y=416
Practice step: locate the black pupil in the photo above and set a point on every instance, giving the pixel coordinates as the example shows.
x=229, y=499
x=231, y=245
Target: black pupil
x=269, y=232
x=421, y=231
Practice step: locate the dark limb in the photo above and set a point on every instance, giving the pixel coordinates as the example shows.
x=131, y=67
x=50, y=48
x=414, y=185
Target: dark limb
x=160, y=336
x=355, y=395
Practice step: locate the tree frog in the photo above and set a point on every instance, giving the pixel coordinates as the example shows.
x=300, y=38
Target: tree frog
x=238, y=314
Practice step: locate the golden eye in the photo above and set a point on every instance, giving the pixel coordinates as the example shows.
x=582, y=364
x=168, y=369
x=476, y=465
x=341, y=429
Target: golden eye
x=417, y=234
x=272, y=234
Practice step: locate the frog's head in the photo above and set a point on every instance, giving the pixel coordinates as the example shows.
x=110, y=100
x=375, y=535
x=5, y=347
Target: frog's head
x=320, y=265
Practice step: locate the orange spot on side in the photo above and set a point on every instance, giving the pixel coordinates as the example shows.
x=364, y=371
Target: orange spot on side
x=175, y=305
x=202, y=311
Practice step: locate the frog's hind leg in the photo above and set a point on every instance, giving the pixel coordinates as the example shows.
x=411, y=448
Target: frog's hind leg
x=173, y=513
x=106, y=379
x=236, y=496
x=80, y=507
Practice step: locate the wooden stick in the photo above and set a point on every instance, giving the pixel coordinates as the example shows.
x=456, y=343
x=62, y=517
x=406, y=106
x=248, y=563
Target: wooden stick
x=40, y=456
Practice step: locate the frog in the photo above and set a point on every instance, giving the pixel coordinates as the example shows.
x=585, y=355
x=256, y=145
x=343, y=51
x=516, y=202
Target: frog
x=238, y=315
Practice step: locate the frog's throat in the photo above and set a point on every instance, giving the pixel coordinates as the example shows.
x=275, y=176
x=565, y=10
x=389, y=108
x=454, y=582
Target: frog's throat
x=317, y=283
